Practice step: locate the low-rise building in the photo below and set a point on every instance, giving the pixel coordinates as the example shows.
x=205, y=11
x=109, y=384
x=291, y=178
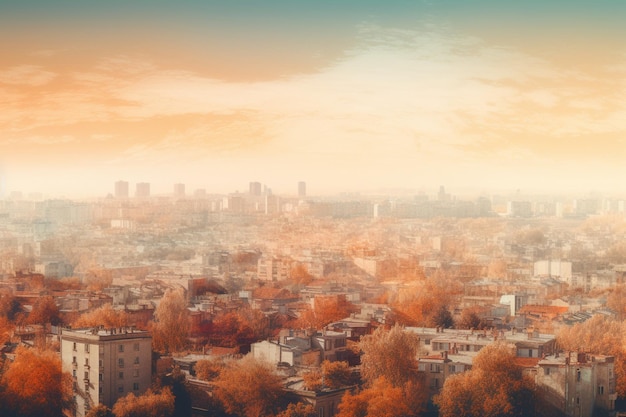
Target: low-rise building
x=578, y=384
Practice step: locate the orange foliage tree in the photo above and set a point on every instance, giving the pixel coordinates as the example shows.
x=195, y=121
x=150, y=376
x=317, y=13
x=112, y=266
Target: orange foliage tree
x=105, y=316
x=208, y=369
x=171, y=322
x=326, y=309
x=494, y=387
x=389, y=368
x=35, y=385
x=298, y=410
x=420, y=306
x=45, y=311
x=331, y=375
x=389, y=353
x=383, y=399
x=150, y=404
x=249, y=388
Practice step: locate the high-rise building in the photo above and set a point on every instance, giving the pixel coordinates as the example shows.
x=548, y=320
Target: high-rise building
x=179, y=190
x=121, y=189
x=302, y=189
x=255, y=188
x=142, y=190
x=106, y=364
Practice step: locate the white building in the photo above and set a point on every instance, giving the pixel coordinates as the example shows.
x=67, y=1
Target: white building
x=106, y=364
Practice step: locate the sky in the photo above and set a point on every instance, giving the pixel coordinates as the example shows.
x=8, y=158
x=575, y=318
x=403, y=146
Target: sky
x=345, y=95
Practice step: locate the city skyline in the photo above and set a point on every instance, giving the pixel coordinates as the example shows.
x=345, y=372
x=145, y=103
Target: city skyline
x=357, y=96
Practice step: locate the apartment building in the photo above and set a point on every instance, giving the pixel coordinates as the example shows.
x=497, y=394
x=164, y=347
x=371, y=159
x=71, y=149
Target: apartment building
x=106, y=364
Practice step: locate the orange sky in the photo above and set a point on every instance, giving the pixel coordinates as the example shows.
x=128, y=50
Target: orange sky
x=343, y=97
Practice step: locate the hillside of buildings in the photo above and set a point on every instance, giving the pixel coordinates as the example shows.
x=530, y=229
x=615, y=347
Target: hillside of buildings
x=346, y=306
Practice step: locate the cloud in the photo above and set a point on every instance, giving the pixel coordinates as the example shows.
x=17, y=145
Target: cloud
x=401, y=103
x=27, y=75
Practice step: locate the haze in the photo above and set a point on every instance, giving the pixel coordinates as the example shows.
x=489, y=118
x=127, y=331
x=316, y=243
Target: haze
x=349, y=95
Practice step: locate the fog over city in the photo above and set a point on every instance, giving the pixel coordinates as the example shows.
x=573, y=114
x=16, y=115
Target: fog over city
x=351, y=97
x=291, y=208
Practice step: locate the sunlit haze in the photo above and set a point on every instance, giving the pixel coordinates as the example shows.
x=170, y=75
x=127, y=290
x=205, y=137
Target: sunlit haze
x=350, y=95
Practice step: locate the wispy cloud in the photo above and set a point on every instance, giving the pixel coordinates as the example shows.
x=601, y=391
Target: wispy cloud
x=26, y=75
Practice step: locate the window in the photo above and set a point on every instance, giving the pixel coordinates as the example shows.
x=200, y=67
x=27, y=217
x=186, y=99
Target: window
x=100, y=377
x=136, y=361
x=120, y=348
x=74, y=373
x=100, y=389
x=427, y=341
x=600, y=389
x=74, y=359
x=136, y=373
x=74, y=346
x=86, y=374
x=530, y=353
x=120, y=375
x=101, y=363
x=120, y=362
x=421, y=367
x=577, y=375
x=86, y=347
x=435, y=367
x=87, y=362
x=120, y=388
x=136, y=347
x=135, y=386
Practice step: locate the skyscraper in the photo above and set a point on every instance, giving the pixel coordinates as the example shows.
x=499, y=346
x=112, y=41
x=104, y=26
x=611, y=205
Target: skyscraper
x=142, y=190
x=121, y=189
x=255, y=188
x=302, y=189
x=179, y=190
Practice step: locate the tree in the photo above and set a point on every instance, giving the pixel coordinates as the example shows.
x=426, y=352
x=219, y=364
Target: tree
x=389, y=353
x=171, y=323
x=9, y=306
x=470, y=319
x=331, y=375
x=326, y=309
x=616, y=301
x=100, y=410
x=298, y=410
x=249, y=388
x=105, y=316
x=443, y=318
x=176, y=381
x=35, y=385
x=494, y=387
x=150, y=404
x=420, y=306
x=383, y=399
x=208, y=369
x=45, y=311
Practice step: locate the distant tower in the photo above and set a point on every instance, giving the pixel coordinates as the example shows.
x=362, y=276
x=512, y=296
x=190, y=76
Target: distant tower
x=302, y=189
x=142, y=190
x=255, y=188
x=442, y=196
x=3, y=185
x=179, y=190
x=121, y=189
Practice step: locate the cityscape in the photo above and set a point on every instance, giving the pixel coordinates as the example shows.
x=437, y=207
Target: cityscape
x=313, y=209
x=305, y=286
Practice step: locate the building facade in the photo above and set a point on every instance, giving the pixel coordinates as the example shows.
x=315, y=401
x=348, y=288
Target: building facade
x=106, y=364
